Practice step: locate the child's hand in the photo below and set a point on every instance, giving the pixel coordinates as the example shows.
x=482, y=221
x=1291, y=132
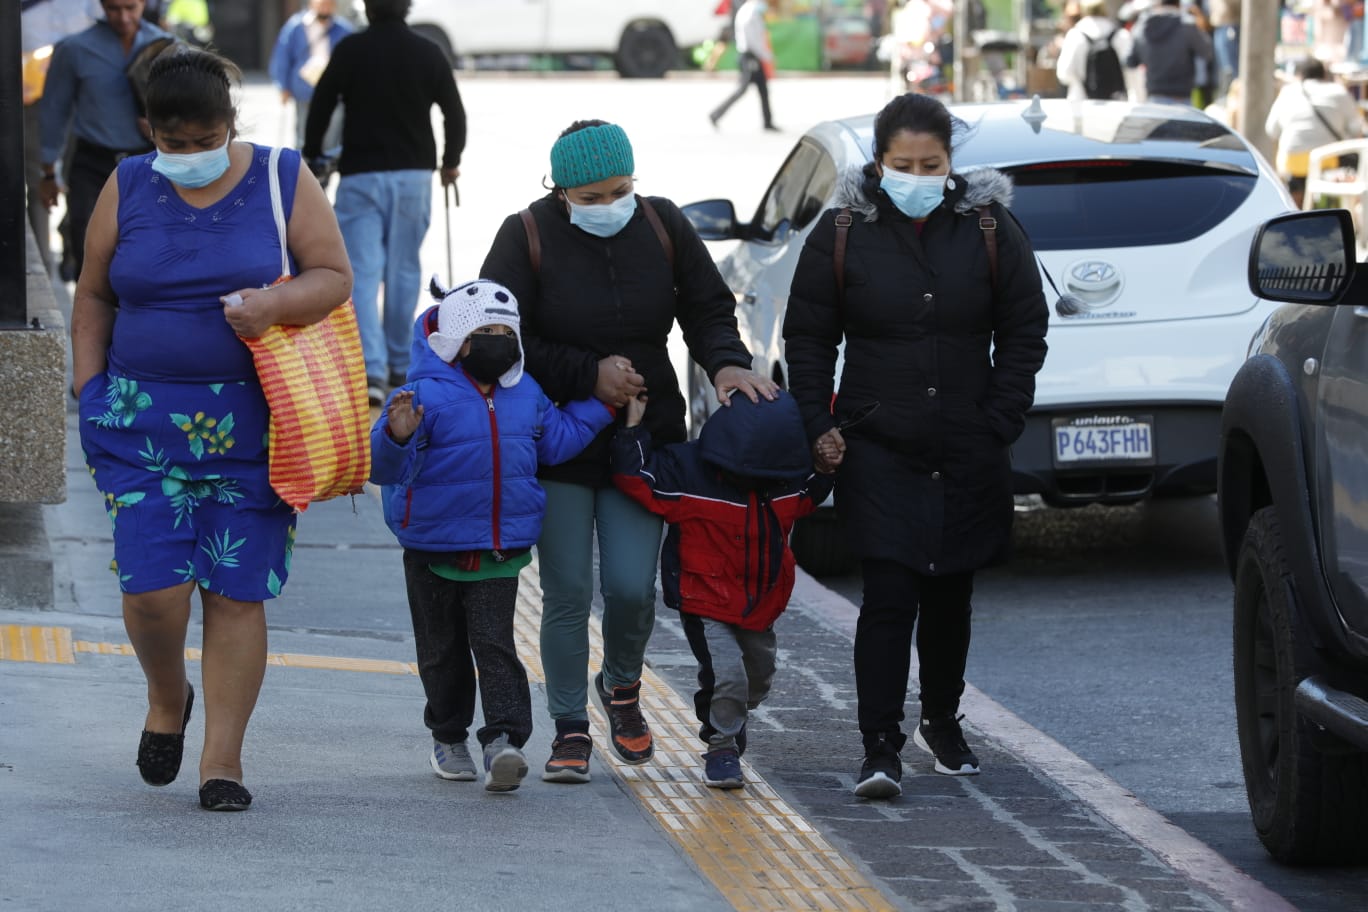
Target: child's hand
x=636, y=408
x=828, y=451
x=403, y=418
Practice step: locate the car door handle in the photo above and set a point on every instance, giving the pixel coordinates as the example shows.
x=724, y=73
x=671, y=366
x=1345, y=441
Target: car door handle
x=748, y=298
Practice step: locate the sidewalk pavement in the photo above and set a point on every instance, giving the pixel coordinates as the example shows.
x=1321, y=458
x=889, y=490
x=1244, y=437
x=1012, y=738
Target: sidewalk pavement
x=349, y=816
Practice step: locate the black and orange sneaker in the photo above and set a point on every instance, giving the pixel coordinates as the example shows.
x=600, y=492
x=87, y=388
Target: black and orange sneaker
x=570, y=752
x=627, y=729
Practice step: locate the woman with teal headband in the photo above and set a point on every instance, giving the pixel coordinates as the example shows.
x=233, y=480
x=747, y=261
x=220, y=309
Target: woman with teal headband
x=602, y=276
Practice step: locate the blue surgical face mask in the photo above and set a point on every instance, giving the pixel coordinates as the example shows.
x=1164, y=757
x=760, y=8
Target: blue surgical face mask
x=193, y=169
x=604, y=220
x=915, y=195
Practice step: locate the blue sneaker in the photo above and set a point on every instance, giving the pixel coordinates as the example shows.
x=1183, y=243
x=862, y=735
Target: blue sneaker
x=722, y=769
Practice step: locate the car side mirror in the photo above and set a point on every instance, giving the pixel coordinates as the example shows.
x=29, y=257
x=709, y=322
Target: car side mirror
x=1304, y=257
x=715, y=220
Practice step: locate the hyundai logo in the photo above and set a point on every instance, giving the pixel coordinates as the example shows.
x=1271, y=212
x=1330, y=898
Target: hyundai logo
x=1095, y=282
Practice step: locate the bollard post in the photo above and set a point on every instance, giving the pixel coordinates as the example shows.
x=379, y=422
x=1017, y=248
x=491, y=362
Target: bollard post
x=13, y=214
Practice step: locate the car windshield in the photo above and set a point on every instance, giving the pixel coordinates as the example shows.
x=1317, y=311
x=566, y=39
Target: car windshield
x=1109, y=203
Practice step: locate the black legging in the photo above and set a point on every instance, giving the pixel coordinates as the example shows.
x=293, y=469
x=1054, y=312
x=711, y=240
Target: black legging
x=893, y=595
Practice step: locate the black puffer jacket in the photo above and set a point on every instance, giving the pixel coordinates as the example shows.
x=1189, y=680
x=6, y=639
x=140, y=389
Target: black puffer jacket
x=596, y=297
x=950, y=361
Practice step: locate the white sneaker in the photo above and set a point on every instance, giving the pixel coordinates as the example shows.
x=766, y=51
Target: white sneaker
x=505, y=766
x=452, y=761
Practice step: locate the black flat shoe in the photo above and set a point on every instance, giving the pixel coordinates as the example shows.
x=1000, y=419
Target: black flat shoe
x=224, y=795
x=159, y=754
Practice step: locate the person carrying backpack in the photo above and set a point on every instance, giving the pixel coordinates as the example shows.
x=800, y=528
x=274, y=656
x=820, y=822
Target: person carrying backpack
x=1090, y=60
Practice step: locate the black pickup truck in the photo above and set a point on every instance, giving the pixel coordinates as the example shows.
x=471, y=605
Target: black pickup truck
x=1293, y=494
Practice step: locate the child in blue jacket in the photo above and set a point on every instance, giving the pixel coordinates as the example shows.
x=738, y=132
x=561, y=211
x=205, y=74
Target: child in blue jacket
x=456, y=452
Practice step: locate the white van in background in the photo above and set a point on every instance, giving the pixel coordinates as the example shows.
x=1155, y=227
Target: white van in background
x=644, y=37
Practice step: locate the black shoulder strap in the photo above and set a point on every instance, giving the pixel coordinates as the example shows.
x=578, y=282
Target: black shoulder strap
x=838, y=251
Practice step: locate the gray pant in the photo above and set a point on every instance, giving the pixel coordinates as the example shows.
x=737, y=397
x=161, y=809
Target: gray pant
x=735, y=671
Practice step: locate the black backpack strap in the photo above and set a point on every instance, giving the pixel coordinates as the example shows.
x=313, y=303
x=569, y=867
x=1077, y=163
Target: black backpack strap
x=838, y=251
x=533, y=239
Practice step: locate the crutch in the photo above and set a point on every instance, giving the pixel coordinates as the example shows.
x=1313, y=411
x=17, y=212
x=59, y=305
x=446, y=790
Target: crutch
x=448, y=190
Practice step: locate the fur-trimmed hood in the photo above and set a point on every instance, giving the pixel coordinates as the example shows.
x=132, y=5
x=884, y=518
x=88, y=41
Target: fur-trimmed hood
x=858, y=190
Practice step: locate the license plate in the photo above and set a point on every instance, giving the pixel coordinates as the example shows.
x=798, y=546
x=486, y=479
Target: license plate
x=1094, y=439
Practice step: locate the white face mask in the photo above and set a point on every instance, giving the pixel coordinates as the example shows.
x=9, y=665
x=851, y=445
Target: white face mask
x=606, y=219
x=193, y=169
x=915, y=195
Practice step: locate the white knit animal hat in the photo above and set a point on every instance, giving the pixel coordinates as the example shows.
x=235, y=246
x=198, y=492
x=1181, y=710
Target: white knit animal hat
x=464, y=309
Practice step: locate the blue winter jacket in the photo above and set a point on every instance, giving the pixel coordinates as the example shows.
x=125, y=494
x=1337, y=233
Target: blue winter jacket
x=467, y=478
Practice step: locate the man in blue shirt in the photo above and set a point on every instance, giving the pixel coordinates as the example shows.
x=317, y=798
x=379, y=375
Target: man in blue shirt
x=300, y=56
x=88, y=93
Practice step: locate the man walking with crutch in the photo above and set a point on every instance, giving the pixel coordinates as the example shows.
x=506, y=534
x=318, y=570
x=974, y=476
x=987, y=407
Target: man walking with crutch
x=384, y=196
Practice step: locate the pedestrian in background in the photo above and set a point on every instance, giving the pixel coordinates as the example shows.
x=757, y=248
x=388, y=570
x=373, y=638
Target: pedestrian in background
x=1225, y=41
x=387, y=78
x=42, y=25
x=301, y=54
x=88, y=100
x=602, y=276
x=173, y=421
x=1312, y=110
x=944, y=331
x=1172, y=49
x=746, y=479
x=457, y=450
x=1095, y=46
x=754, y=60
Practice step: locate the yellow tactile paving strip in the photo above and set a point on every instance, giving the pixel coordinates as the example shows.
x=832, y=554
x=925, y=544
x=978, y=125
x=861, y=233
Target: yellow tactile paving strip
x=36, y=644
x=757, y=850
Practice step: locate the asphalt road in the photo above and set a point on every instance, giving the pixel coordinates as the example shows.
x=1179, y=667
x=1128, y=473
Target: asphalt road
x=1110, y=632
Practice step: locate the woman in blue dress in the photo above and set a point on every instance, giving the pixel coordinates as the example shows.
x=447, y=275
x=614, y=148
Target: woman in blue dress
x=173, y=420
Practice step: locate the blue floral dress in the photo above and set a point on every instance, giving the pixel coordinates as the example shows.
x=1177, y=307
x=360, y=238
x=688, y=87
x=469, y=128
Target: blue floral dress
x=175, y=431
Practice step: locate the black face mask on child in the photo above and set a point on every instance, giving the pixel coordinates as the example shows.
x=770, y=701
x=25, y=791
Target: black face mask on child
x=490, y=356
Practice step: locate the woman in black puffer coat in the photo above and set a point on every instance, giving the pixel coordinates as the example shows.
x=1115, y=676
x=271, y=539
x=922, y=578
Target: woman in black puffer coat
x=941, y=352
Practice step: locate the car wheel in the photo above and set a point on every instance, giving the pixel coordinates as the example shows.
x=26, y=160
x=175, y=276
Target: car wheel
x=438, y=37
x=819, y=547
x=1309, y=806
x=647, y=51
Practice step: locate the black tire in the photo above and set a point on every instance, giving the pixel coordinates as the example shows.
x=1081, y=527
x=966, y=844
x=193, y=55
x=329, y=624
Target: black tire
x=438, y=37
x=819, y=547
x=646, y=51
x=1309, y=806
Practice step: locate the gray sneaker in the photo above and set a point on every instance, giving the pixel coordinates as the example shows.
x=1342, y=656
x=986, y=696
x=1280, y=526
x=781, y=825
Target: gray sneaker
x=452, y=761
x=505, y=766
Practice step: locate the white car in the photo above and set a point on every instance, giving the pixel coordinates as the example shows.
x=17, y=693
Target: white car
x=1141, y=217
x=644, y=37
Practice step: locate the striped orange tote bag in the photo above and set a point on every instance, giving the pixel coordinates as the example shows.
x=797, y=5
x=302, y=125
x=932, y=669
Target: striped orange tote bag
x=314, y=378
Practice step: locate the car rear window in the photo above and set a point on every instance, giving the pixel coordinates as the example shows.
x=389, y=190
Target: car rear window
x=1068, y=205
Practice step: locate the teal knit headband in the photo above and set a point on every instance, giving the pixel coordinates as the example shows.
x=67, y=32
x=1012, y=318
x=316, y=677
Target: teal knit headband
x=590, y=155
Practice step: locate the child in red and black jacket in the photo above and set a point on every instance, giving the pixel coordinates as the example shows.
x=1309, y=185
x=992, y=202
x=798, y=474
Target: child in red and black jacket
x=730, y=498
